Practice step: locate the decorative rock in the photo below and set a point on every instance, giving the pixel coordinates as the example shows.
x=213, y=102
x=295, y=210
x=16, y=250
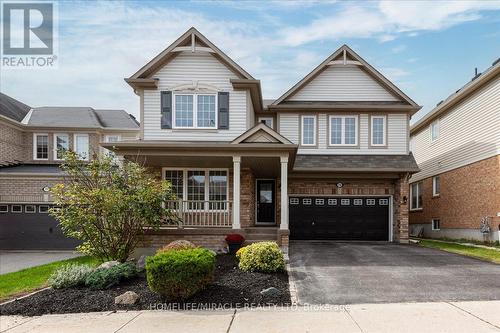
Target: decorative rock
x=141, y=263
x=108, y=264
x=127, y=298
x=271, y=291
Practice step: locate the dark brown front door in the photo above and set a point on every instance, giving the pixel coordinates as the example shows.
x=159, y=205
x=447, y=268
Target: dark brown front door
x=266, y=201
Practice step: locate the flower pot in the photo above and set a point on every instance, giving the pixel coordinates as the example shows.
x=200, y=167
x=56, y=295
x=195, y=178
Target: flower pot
x=233, y=247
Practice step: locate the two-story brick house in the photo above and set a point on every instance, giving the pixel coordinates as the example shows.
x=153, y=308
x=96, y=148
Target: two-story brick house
x=457, y=147
x=327, y=160
x=31, y=144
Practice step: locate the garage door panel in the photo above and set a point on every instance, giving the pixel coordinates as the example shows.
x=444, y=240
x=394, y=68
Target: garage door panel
x=339, y=218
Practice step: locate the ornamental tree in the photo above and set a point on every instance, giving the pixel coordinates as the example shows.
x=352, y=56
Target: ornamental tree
x=108, y=206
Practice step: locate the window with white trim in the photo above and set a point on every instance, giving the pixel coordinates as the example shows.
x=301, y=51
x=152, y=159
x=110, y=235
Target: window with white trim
x=345, y=202
x=319, y=202
x=81, y=143
x=195, y=111
x=370, y=202
x=30, y=209
x=40, y=146
x=61, y=145
x=307, y=201
x=416, y=196
x=378, y=130
x=434, y=128
x=308, y=128
x=436, y=224
x=343, y=131
x=294, y=201
x=44, y=209
x=4, y=208
x=176, y=178
x=332, y=202
x=268, y=121
x=436, y=186
x=217, y=189
x=112, y=138
x=16, y=209
x=383, y=202
x=358, y=202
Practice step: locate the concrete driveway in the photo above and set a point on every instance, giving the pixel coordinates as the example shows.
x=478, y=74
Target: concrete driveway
x=13, y=261
x=358, y=272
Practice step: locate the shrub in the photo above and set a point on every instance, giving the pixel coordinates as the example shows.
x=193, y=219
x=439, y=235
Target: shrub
x=263, y=257
x=235, y=238
x=179, y=274
x=104, y=278
x=69, y=276
x=177, y=245
x=240, y=252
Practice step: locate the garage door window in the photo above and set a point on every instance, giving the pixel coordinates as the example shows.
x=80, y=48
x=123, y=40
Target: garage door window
x=43, y=209
x=370, y=202
x=16, y=209
x=320, y=202
x=332, y=202
x=306, y=201
x=30, y=209
x=358, y=202
x=383, y=202
x=294, y=201
x=4, y=209
x=345, y=202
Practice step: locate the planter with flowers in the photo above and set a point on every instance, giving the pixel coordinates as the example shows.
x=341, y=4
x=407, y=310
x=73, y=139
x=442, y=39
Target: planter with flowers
x=234, y=242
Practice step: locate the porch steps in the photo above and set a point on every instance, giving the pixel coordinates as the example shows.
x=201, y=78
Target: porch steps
x=259, y=234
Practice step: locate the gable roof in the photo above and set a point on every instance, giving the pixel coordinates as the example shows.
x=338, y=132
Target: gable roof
x=346, y=56
x=194, y=41
x=261, y=133
x=81, y=117
x=12, y=108
x=477, y=82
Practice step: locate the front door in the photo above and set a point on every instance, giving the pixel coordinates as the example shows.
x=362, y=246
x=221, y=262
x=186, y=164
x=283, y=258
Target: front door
x=266, y=210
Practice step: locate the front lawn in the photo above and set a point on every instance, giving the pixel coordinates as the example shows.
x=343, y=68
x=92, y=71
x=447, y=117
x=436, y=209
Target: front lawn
x=470, y=251
x=30, y=279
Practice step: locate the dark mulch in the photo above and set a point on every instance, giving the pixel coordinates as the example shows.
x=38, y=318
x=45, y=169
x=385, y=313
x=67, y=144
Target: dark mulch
x=231, y=288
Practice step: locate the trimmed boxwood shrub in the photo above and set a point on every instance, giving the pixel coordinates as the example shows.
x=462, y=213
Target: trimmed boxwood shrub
x=69, y=276
x=104, y=278
x=264, y=257
x=179, y=274
x=180, y=244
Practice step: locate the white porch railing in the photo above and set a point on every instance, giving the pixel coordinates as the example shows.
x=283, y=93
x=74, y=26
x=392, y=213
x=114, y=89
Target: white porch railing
x=192, y=213
x=25, y=198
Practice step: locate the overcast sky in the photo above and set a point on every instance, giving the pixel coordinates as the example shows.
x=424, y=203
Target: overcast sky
x=428, y=49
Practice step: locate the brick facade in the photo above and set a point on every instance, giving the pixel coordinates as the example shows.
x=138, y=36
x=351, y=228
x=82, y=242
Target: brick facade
x=26, y=185
x=12, y=144
x=467, y=194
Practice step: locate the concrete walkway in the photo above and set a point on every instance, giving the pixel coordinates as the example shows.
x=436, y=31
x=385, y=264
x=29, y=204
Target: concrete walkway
x=13, y=261
x=441, y=317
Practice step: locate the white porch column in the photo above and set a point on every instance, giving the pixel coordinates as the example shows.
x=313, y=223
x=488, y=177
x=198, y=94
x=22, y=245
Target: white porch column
x=236, y=191
x=284, y=193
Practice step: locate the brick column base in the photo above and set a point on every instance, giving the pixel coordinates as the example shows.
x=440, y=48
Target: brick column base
x=400, y=223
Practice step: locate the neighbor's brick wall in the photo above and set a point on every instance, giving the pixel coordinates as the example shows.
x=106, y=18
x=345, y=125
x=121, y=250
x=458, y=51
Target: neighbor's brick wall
x=467, y=194
x=396, y=188
x=12, y=146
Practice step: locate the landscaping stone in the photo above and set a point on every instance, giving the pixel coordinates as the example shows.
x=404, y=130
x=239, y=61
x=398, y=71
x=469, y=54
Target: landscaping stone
x=271, y=291
x=127, y=298
x=108, y=264
x=141, y=263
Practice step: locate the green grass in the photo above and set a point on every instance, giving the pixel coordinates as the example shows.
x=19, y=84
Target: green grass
x=470, y=251
x=30, y=279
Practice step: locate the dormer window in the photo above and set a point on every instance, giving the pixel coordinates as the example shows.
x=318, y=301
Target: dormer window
x=195, y=111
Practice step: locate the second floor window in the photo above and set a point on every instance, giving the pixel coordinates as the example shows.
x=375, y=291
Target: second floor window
x=61, y=145
x=416, y=196
x=343, y=130
x=195, y=111
x=308, y=132
x=435, y=131
x=82, y=146
x=41, y=146
x=378, y=131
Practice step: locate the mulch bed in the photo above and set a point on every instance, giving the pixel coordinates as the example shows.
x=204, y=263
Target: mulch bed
x=231, y=288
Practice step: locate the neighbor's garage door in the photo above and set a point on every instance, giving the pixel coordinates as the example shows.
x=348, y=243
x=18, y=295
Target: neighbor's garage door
x=339, y=218
x=30, y=227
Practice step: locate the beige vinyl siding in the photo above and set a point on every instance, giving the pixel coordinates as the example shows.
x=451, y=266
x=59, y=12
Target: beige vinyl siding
x=343, y=83
x=468, y=133
x=397, y=127
x=187, y=68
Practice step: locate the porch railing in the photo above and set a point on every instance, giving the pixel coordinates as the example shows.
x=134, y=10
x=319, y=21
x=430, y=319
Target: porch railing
x=25, y=198
x=192, y=213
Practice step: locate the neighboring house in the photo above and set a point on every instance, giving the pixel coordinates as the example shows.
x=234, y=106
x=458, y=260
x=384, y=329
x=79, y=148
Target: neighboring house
x=457, y=148
x=31, y=145
x=327, y=160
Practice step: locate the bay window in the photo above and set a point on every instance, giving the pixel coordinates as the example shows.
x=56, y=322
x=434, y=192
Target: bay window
x=203, y=189
x=343, y=131
x=61, y=145
x=195, y=111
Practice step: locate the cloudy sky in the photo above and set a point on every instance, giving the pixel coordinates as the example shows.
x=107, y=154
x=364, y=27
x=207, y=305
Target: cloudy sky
x=428, y=49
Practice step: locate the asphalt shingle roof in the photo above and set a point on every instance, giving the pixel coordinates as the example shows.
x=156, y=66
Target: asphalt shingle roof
x=375, y=163
x=12, y=108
